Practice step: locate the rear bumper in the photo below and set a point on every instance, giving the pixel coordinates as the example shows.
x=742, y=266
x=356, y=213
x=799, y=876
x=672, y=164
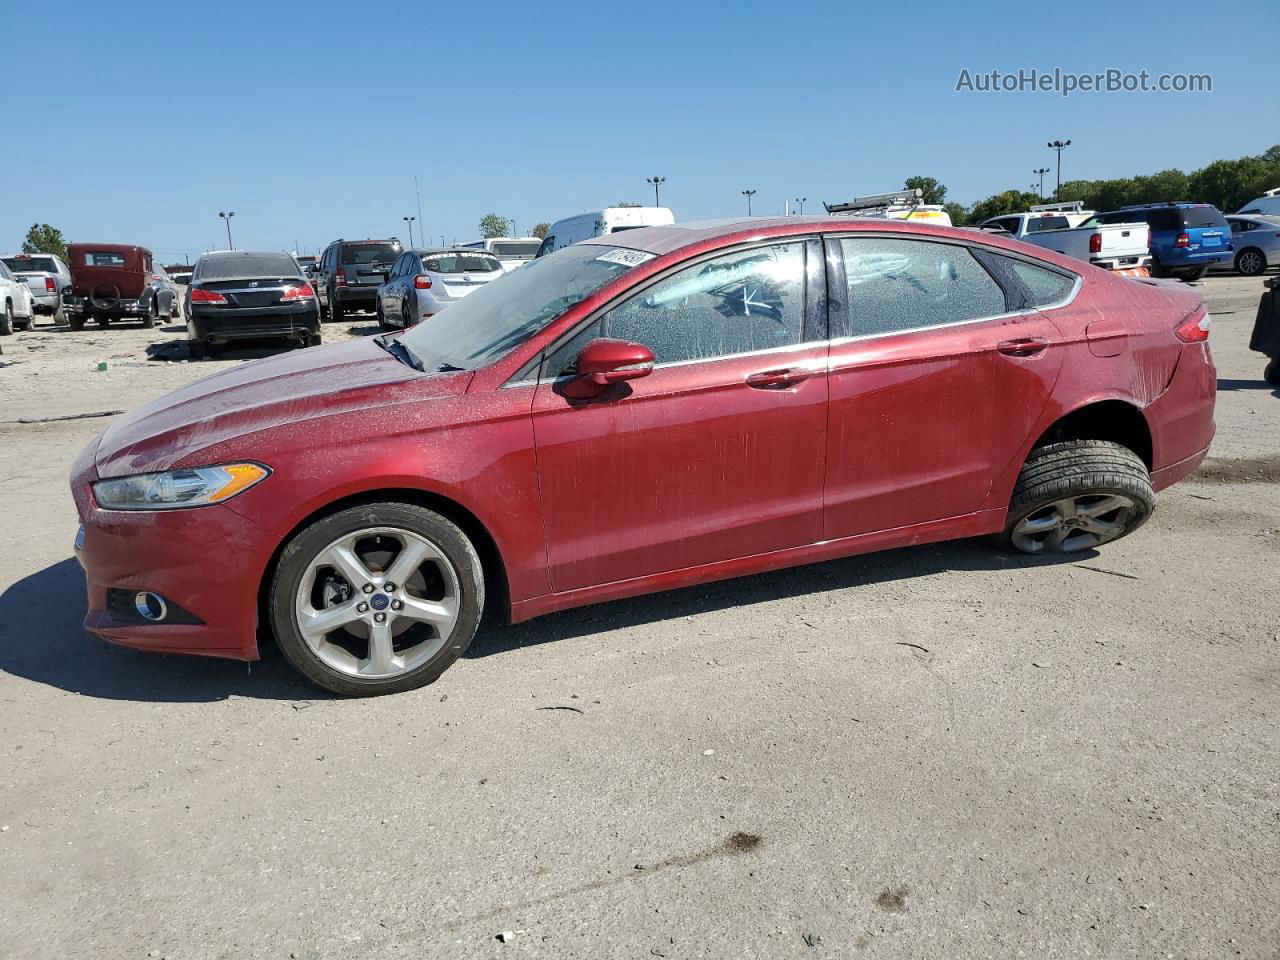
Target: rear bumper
x=1177, y=259
x=46, y=302
x=356, y=296
x=218, y=324
x=1181, y=418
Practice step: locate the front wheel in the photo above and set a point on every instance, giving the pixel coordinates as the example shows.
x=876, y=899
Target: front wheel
x=376, y=599
x=1076, y=496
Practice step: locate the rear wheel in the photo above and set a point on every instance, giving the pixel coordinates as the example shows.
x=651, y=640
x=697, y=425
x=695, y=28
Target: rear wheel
x=1193, y=274
x=312, y=340
x=378, y=598
x=149, y=318
x=406, y=316
x=103, y=319
x=1075, y=496
x=197, y=350
x=1251, y=262
x=6, y=320
x=78, y=320
x=1272, y=373
x=335, y=309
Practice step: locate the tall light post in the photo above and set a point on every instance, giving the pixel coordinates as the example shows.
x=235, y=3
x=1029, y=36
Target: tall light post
x=800, y=202
x=655, y=180
x=1040, y=172
x=1059, y=146
x=227, y=219
x=748, y=194
x=409, y=221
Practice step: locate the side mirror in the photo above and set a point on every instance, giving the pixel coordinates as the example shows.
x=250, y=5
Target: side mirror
x=604, y=362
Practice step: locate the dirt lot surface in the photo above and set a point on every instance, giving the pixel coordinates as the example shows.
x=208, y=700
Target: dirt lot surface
x=935, y=752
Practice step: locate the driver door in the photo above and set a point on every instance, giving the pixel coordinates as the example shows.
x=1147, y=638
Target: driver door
x=719, y=452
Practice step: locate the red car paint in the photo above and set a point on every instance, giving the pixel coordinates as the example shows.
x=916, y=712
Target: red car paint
x=692, y=475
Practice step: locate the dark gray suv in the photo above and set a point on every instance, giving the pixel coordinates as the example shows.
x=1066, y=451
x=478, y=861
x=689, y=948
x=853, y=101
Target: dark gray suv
x=350, y=272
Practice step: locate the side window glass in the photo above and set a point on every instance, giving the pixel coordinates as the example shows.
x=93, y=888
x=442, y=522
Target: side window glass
x=740, y=303
x=1043, y=287
x=561, y=360
x=906, y=284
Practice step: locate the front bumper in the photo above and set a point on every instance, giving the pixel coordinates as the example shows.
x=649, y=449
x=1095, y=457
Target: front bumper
x=205, y=561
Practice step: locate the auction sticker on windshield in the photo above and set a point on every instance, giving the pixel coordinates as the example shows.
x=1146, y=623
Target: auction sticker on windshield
x=628, y=258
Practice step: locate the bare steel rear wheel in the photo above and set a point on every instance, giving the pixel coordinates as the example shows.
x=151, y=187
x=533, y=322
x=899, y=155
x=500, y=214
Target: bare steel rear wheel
x=377, y=599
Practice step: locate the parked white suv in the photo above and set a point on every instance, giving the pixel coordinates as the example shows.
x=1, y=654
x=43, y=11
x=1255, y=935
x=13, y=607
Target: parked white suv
x=16, y=306
x=45, y=275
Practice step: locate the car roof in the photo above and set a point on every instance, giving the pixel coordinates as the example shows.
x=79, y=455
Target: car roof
x=108, y=246
x=231, y=254
x=472, y=251
x=674, y=236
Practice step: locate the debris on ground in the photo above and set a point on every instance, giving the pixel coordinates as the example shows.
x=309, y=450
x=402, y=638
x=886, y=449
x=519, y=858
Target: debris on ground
x=72, y=416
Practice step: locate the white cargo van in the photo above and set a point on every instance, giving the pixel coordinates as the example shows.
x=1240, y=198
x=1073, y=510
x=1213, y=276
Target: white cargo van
x=512, y=252
x=1267, y=205
x=598, y=223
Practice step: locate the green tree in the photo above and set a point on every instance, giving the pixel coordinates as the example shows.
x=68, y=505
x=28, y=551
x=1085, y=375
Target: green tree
x=934, y=192
x=1230, y=184
x=958, y=215
x=42, y=238
x=541, y=230
x=1011, y=201
x=626, y=203
x=492, y=225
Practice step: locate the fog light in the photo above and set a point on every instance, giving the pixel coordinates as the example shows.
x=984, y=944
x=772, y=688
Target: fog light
x=150, y=606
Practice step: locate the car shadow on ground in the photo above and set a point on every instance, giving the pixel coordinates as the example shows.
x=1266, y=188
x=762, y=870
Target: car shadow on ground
x=901, y=564
x=1225, y=383
x=42, y=638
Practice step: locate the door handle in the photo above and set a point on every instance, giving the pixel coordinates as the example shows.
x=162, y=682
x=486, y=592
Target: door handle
x=777, y=379
x=1025, y=347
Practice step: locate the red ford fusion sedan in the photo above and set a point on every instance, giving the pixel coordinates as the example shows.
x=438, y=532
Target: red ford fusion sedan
x=644, y=410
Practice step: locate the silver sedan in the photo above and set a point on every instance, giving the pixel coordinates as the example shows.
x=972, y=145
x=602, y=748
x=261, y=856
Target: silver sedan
x=423, y=282
x=1256, y=241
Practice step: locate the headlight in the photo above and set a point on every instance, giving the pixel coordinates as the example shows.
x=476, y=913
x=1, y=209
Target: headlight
x=189, y=487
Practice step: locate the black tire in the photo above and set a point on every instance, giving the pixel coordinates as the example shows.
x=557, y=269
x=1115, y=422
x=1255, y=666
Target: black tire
x=336, y=312
x=1193, y=274
x=312, y=339
x=1250, y=262
x=197, y=350
x=1272, y=373
x=6, y=320
x=149, y=318
x=296, y=563
x=103, y=320
x=1087, y=473
x=406, y=318
x=1157, y=269
x=382, y=320
x=78, y=320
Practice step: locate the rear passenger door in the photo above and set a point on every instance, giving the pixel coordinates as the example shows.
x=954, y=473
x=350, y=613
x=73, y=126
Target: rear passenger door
x=939, y=367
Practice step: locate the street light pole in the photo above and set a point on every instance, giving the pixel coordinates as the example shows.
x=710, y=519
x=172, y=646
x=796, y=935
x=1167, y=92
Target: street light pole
x=409, y=221
x=800, y=202
x=655, y=180
x=748, y=194
x=227, y=219
x=1059, y=146
x=1040, y=172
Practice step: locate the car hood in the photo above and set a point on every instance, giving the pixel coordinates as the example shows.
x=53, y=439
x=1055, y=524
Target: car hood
x=279, y=392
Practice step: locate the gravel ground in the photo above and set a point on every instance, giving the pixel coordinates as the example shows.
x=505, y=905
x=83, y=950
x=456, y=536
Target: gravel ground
x=929, y=752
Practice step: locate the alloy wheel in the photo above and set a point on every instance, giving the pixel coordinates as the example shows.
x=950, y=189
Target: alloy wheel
x=1073, y=524
x=1249, y=263
x=378, y=603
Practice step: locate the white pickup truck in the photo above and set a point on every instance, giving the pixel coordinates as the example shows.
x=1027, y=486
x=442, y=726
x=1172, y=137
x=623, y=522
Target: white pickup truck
x=1112, y=246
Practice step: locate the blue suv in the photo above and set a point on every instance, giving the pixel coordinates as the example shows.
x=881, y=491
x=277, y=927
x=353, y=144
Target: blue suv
x=1186, y=238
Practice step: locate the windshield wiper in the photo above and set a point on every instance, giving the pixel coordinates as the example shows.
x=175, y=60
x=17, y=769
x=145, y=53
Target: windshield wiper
x=399, y=351
x=448, y=368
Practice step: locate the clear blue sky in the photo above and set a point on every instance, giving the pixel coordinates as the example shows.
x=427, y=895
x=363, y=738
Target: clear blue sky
x=312, y=124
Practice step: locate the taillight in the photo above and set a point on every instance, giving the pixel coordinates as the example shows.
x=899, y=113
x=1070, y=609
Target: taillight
x=1194, y=329
x=300, y=292
x=206, y=296
x=339, y=278
x=48, y=285
x=1095, y=243
x=422, y=282
x=1183, y=240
